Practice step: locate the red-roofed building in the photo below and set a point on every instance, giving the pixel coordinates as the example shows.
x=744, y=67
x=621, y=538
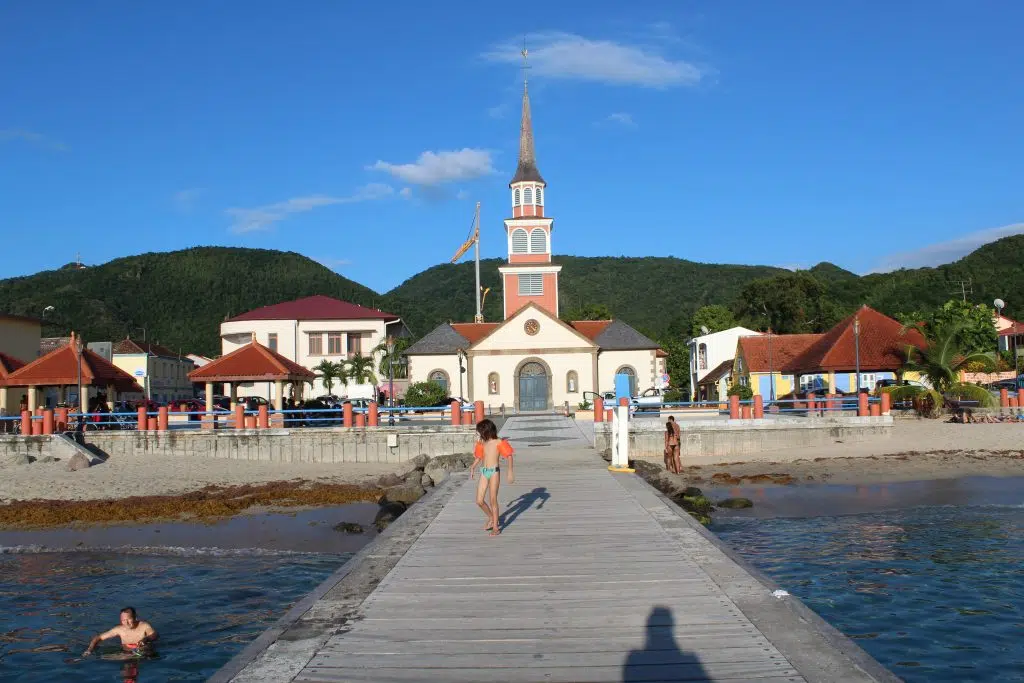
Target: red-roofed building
x=253, y=364
x=827, y=362
x=162, y=373
x=307, y=332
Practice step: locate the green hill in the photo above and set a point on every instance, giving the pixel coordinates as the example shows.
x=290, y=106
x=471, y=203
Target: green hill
x=181, y=297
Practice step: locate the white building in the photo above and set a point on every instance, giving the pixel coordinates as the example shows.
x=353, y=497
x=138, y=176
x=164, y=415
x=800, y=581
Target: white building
x=309, y=331
x=162, y=373
x=533, y=361
x=711, y=358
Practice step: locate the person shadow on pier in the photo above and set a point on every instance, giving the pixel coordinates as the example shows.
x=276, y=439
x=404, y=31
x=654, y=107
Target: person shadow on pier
x=661, y=659
x=524, y=503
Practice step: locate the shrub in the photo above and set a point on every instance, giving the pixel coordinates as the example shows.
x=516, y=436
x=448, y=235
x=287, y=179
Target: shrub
x=903, y=395
x=674, y=396
x=584, y=405
x=422, y=394
x=745, y=393
x=970, y=392
x=928, y=403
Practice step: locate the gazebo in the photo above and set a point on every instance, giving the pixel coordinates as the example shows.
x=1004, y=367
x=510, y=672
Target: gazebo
x=252, y=363
x=71, y=365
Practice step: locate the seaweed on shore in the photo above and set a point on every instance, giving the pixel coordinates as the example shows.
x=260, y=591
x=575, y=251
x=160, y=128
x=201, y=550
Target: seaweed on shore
x=206, y=504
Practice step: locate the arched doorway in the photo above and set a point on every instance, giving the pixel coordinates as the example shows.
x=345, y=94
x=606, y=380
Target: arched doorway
x=631, y=374
x=534, y=387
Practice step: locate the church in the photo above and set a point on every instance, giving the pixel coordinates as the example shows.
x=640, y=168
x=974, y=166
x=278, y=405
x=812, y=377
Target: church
x=533, y=361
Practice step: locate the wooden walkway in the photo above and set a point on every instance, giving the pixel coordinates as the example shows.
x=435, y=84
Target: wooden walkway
x=584, y=584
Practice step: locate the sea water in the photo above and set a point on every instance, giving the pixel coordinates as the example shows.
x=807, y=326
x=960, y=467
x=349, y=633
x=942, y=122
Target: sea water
x=935, y=593
x=206, y=606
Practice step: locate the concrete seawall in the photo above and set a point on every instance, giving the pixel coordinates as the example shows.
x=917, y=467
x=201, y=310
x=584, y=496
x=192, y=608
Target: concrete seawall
x=707, y=438
x=369, y=444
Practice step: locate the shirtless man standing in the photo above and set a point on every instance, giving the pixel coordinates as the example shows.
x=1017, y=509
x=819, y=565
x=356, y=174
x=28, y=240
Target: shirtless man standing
x=135, y=635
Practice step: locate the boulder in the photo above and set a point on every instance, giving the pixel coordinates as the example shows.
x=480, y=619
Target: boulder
x=648, y=470
x=413, y=465
x=389, y=511
x=79, y=461
x=692, y=492
x=453, y=462
x=349, y=528
x=735, y=503
x=407, y=493
x=15, y=459
x=388, y=480
x=436, y=475
x=426, y=481
x=49, y=459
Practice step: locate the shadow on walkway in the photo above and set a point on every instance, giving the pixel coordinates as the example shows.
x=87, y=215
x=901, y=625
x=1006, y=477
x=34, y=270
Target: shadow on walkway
x=661, y=659
x=524, y=503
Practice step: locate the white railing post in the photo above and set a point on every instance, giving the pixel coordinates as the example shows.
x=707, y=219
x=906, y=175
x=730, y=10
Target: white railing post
x=620, y=439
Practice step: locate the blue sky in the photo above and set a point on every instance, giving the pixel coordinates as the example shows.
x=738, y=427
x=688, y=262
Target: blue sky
x=872, y=135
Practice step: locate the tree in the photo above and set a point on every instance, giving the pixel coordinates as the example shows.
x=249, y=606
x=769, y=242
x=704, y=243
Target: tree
x=328, y=372
x=715, y=318
x=588, y=312
x=678, y=363
x=941, y=360
x=425, y=394
x=401, y=363
x=359, y=369
x=977, y=330
x=790, y=303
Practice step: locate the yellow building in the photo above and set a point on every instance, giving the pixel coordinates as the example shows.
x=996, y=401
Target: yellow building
x=19, y=341
x=162, y=374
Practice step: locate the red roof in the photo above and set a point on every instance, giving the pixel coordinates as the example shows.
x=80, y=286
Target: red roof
x=1011, y=331
x=883, y=342
x=252, y=362
x=317, y=307
x=590, y=328
x=474, y=332
x=127, y=345
x=9, y=364
x=784, y=348
x=60, y=367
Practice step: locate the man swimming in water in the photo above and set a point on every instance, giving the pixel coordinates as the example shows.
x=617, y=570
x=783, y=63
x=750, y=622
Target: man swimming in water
x=135, y=635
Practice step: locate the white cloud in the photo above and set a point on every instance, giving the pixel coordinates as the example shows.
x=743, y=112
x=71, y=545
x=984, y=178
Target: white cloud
x=435, y=168
x=946, y=252
x=33, y=138
x=405, y=193
x=264, y=217
x=622, y=119
x=185, y=200
x=566, y=55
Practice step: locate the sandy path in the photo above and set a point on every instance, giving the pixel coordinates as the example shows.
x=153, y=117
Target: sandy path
x=156, y=475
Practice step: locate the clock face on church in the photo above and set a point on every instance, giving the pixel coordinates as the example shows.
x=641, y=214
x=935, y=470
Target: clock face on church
x=532, y=327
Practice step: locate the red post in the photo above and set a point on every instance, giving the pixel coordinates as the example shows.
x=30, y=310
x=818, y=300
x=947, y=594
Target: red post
x=346, y=415
x=875, y=410
x=360, y=419
x=1020, y=399
x=623, y=401
x=143, y=421
x=263, y=416
x=162, y=418
x=862, y=404
x=373, y=415
x=1014, y=404
x=26, y=423
x=734, y=407
x=62, y=419
x=152, y=424
x=37, y=427
x=830, y=402
x=758, y=407
x=886, y=403
x=468, y=418
x=598, y=409
x=1004, y=398
x=478, y=411
x=456, y=413
x=250, y=422
x=48, y=421
x=746, y=412
x=608, y=414
x=239, y=416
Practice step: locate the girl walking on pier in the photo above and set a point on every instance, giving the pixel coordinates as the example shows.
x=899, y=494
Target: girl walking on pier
x=489, y=449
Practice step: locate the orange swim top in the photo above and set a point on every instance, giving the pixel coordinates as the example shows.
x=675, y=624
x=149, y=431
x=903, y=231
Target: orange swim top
x=505, y=449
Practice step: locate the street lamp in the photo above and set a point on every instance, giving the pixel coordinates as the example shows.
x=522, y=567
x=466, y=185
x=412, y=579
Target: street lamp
x=1000, y=305
x=462, y=356
x=390, y=342
x=771, y=368
x=78, y=355
x=856, y=342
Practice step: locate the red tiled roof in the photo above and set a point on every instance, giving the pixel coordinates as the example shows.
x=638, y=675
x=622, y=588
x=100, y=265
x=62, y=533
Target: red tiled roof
x=252, y=362
x=474, y=332
x=317, y=307
x=883, y=343
x=1011, y=331
x=9, y=364
x=784, y=349
x=127, y=345
x=722, y=370
x=590, y=328
x=60, y=368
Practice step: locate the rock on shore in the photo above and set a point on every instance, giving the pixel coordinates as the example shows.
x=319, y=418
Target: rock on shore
x=403, y=488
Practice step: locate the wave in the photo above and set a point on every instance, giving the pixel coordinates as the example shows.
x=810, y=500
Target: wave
x=172, y=551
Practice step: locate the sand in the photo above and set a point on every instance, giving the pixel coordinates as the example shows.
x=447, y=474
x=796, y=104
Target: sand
x=156, y=475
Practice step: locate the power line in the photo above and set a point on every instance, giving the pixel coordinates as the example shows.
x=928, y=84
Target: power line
x=963, y=287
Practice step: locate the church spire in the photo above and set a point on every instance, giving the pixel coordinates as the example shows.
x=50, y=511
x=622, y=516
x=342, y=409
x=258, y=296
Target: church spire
x=527, y=168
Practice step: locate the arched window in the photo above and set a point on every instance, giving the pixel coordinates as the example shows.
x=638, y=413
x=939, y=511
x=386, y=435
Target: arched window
x=439, y=376
x=540, y=196
x=538, y=241
x=702, y=357
x=572, y=382
x=631, y=373
x=520, y=241
x=515, y=197
x=527, y=195
x=493, y=387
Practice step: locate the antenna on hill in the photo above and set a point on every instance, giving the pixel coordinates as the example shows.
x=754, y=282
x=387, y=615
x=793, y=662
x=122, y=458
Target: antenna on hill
x=964, y=287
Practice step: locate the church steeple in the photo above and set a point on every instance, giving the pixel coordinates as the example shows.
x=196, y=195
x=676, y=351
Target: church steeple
x=527, y=168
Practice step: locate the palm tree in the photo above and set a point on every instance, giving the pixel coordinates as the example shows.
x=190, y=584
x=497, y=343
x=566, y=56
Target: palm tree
x=359, y=368
x=401, y=366
x=329, y=371
x=942, y=359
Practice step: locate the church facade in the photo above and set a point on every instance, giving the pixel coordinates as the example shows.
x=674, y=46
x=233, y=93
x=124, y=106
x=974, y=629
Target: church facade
x=533, y=361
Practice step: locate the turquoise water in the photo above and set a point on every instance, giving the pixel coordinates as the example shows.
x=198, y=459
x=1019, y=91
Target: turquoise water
x=205, y=606
x=934, y=593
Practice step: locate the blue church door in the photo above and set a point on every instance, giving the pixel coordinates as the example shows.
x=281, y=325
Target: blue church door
x=533, y=388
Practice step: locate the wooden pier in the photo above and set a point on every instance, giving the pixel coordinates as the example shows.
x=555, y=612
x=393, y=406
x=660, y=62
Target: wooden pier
x=595, y=577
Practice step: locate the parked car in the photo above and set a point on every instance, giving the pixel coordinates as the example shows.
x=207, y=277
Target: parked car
x=649, y=401
x=882, y=383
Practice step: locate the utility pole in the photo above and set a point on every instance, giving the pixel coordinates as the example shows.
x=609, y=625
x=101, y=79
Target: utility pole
x=479, y=317
x=964, y=287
